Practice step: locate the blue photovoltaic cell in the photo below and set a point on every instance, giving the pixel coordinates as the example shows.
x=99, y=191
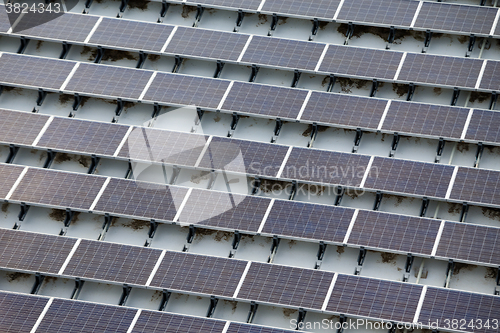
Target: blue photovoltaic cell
x=265, y=100
x=325, y=167
x=389, y=12
x=491, y=76
x=236, y=4
x=246, y=328
x=369, y=63
x=80, y=317
x=432, y=69
x=456, y=18
x=361, y=296
x=109, y=81
x=186, y=90
x=409, y=177
x=207, y=43
x=304, y=220
x=484, y=126
x=312, y=8
x=340, y=109
x=68, y=27
x=278, y=52
x=426, y=119
x=19, y=312
x=34, y=71
x=445, y=305
x=394, y=232
x=131, y=34
x=477, y=185
x=157, y=322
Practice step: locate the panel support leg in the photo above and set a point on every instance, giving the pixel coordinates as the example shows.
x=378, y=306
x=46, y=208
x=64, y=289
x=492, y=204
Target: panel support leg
x=449, y=273
x=125, y=294
x=331, y=83
x=105, y=226
x=218, y=70
x=378, y=200
x=12, y=154
x=342, y=320
x=425, y=205
x=41, y=97
x=253, y=310
x=213, y=304
x=199, y=13
x=340, y=194
x=175, y=174
x=411, y=92
x=470, y=47
x=239, y=21
x=439, y=151
x=100, y=54
x=123, y=6
x=88, y=3
x=314, y=30
x=408, y=265
x=65, y=50
x=374, y=89
x=142, y=59
x=427, y=42
x=394, y=145
x=357, y=140
x=479, y=154
x=301, y=317
x=454, y=98
x=78, y=288
x=255, y=71
x=67, y=221
x=50, y=158
x=274, y=24
x=493, y=102
x=320, y=255
x=390, y=40
x=296, y=78
x=118, y=110
x=314, y=134
x=236, y=243
x=164, y=300
x=497, y=288
x=93, y=164
x=24, y=44
x=349, y=33
x=24, y=210
x=153, y=226
x=293, y=192
x=277, y=130
x=463, y=213
x=274, y=249
x=177, y=64
x=234, y=123
x=189, y=238
x=38, y=283
x=163, y=12
x=361, y=260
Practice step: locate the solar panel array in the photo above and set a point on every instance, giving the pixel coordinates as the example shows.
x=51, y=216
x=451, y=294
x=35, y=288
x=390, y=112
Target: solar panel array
x=19, y=312
x=443, y=305
x=20, y=128
x=314, y=8
x=8, y=176
x=199, y=274
x=394, y=232
x=33, y=252
x=360, y=296
x=57, y=188
x=112, y=262
x=4, y=20
x=388, y=12
x=484, y=126
x=477, y=185
x=490, y=79
x=284, y=285
x=414, y=178
x=157, y=322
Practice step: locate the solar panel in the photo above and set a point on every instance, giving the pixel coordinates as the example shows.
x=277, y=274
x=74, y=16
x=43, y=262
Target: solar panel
x=449, y=71
x=157, y=322
x=358, y=61
x=290, y=286
x=325, y=167
x=426, y=119
x=314, y=8
x=338, y=109
x=235, y=155
x=58, y=188
x=388, y=12
x=409, y=177
x=394, y=232
x=8, y=176
x=112, y=262
x=484, y=126
x=79, y=317
x=109, y=81
x=360, y=296
x=33, y=252
x=141, y=199
x=131, y=34
x=33, y=71
x=469, y=242
x=445, y=305
x=236, y=4
x=199, y=274
x=20, y=128
x=491, y=76
x=160, y=146
x=265, y=100
x=4, y=20
x=477, y=185
x=186, y=90
x=204, y=43
x=456, y=18
x=68, y=27
x=224, y=210
x=245, y=328
x=83, y=136
x=19, y=312
x=279, y=52
x=303, y=220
